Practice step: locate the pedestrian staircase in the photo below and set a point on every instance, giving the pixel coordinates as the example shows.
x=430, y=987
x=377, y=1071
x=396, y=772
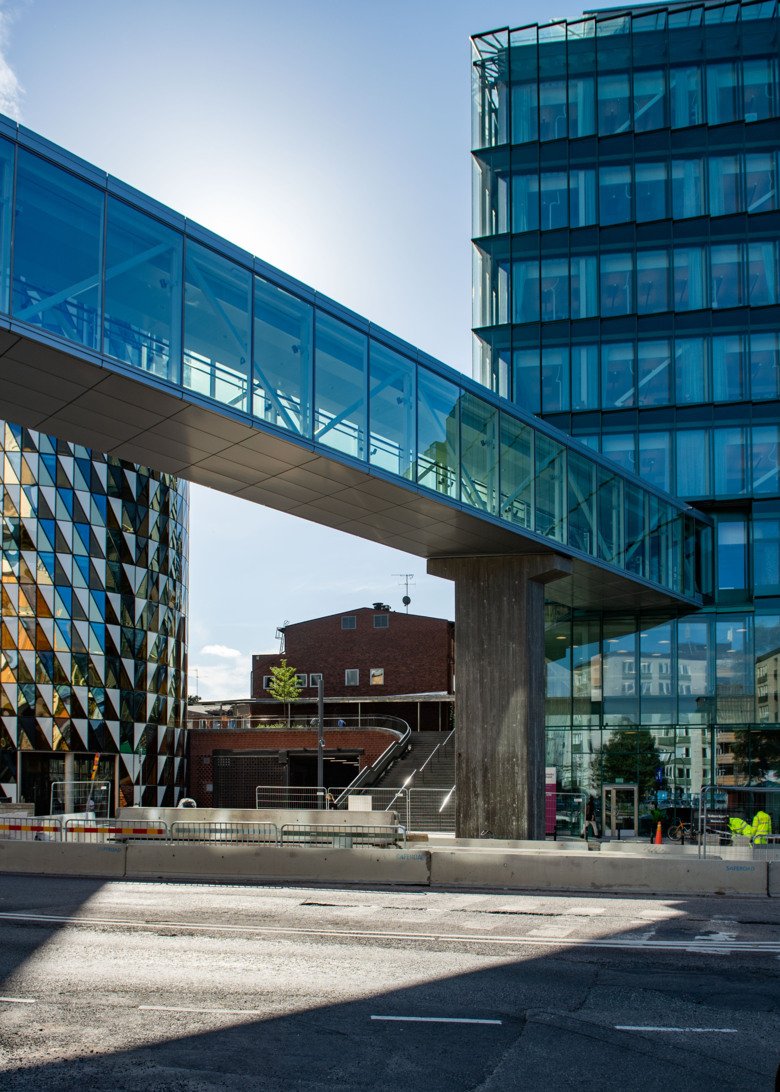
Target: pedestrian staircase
x=426, y=777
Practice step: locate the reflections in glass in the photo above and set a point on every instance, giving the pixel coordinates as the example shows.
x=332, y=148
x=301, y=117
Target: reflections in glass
x=281, y=375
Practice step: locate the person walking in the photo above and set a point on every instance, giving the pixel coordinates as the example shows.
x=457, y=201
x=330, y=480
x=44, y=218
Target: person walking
x=590, y=820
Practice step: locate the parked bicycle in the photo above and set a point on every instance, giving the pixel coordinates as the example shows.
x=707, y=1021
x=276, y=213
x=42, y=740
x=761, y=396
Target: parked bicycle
x=681, y=832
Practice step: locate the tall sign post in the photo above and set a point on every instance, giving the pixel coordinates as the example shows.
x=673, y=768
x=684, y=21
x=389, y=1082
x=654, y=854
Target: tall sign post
x=320, y=743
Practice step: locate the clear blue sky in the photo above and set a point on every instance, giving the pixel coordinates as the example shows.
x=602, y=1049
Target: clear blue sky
x=331, y=138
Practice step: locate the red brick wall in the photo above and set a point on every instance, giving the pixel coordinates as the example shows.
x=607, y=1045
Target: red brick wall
x=416, y=654
x=202, y=745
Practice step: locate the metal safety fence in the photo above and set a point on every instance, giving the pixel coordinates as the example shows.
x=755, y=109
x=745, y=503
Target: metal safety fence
x=27, y=829
x=113, y=830
x=234, y=833
x=343, y=836
x=740, y=822
x=423, y=810
x=289, y=796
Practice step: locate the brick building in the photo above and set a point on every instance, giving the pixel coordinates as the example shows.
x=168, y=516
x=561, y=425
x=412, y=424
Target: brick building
x=370, y=652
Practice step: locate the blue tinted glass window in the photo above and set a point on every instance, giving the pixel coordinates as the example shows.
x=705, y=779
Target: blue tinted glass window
x=691, y=371
x=391, y=410
x=517, y=472
x=762, y=273
x=766, y=556
x=58, y=246
x=686, y=96
x=438, y=433
x=6, y=209
x=617, y=279
x=527, y=380
x=761, y=88
x=760, y=182
x=620, y=447
x=552, y=109
x=765, y=366
x=525, y=113
x=730, y=456
x=726, y=275
x=652, y=281
x=340, y=386
x=651, y=191
x=614, y=103
x=615, y=194
x=217, y=310
x=582, y=196
x=555, y=379
x=555, y=204
x=282, y=358
x=617, y=375
x=525, y=202
x=654, y=373
x=655, y=459
x=766, y=439
x=479, y=454
x=581, y=503
x=550, y=466
x=525, y=291
x=725, y=188
x=582, y=106
x=687, y=188
x=693, y=471
x=143, y=292
x=690, y=281
x=649, y=99
x=584, y=377
x=728, y=369
x=555, y=289
x=584, y=286
x=723, y=102
x=732, y=554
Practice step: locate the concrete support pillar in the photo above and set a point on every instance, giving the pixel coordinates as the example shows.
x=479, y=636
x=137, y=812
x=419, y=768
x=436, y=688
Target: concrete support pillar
x=69, y=777
x=499, y=690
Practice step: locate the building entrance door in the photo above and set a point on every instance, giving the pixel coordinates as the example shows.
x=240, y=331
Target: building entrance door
x=39, y=772
x=620, y=810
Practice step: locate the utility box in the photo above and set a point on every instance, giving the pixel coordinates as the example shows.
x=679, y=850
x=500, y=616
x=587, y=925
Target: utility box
x=360, y=803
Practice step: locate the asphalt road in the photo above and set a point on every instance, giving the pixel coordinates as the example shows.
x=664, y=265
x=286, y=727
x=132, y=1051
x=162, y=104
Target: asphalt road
x=196, y=987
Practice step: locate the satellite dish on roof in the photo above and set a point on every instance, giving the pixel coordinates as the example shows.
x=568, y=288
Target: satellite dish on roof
x=406, y=600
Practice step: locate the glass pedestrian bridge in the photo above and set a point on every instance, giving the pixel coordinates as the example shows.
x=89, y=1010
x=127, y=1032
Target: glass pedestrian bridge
x=127, y=328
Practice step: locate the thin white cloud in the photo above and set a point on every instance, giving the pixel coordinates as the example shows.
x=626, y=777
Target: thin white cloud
x=11, y=91
x=224, y=652
x=221, y=681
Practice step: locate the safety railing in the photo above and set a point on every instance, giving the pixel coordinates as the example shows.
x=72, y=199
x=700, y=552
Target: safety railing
x=343, y=837
x=740, y=822
x=430, y=810
x=114, y=830
x=29, y=829
x=289, y=796
x=234, y=833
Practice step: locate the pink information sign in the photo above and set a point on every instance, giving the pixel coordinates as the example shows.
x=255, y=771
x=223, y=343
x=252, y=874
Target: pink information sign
x=550, y=799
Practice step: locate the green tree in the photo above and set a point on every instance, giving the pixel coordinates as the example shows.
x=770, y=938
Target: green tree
x=284, y=685
x=756, y=753
x=630, y=755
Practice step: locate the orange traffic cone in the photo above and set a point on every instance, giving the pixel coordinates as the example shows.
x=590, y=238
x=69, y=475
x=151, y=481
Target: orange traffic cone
x=658, y=838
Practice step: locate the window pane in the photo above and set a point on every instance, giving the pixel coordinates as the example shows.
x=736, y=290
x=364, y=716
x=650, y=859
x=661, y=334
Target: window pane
x=584, y=286
x=555, y=206
x=527, y=382
x=582, y=196
x=524, y=113
x=525, y=292
x=552, y=109
x=609, y=510
x=649, y=99
x=6, y=210
x=217, y=308
x=766, y=556
x=283, y=358
x=582, y=503
x=616, y=284
x=582, y=112
x=391, y=410
x=550, y=488
x=635, y=502
x=693, y=477
x=517, y=474
x=555, y=379
x=687, y=188
x=615, y=194
x=655, y=459
x=765, y=366
x=730, y=457
x=525, y=202
x=555, y=289
x=617, y=366
x=479, y=454
x=689, y=278
x=652, y=281
x=760, y=182
x=339, y=386
x=728, y=371
x=621, y=448
x=725, y=194
x=614, y=100
x=732, y=554
x=686, y=97
x=726, y=262
x=653, y=373
x=58, y=244
x=438, y=464
x=765, y=459
x=760, y=77
x=691, y=371
x=143, y=292
x=734, y=670
x=584, y=377
x=762, y=273
x=651, y=199
x=722, y=93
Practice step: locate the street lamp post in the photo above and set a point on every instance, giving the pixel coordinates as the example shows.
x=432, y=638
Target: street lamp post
x=320, y=742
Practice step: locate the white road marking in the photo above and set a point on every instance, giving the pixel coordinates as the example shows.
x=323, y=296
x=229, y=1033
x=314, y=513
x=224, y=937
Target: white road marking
x=216, y=1012
x=719, y=1031
x=18, y=1000
x=437, y=1019
x=762, y=947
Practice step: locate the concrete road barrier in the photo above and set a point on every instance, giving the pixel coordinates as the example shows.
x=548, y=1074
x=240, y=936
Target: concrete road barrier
x=306, y=817
x=596, y=872
x=63, y=859
x=315, y=864
x=773, y=879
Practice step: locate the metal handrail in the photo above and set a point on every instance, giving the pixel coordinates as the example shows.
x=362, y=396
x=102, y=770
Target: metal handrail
x=372, y=772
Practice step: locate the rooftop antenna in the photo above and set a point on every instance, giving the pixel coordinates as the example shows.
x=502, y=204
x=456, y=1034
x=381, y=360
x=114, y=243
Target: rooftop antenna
x=280, y=635
x=406, y=580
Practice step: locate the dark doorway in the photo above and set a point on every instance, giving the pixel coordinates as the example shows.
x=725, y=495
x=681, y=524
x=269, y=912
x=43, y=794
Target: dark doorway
x=338, y=771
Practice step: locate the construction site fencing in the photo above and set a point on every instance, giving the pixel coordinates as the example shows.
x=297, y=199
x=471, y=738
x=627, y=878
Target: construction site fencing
x=716, y=834
x=290, y=796
x=422, y=810
x=234, y=833
x=87, y=797
x=114, y=830
x=343, y=837
x=30, y=829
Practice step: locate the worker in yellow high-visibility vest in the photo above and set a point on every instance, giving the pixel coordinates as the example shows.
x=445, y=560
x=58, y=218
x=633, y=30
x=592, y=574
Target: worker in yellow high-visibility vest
x=757, y=831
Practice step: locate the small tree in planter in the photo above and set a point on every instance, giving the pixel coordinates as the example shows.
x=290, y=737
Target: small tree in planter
x=284, y=685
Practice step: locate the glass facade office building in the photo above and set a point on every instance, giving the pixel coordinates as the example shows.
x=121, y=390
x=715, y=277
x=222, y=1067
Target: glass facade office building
x=626, y=264
x=92, y=623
